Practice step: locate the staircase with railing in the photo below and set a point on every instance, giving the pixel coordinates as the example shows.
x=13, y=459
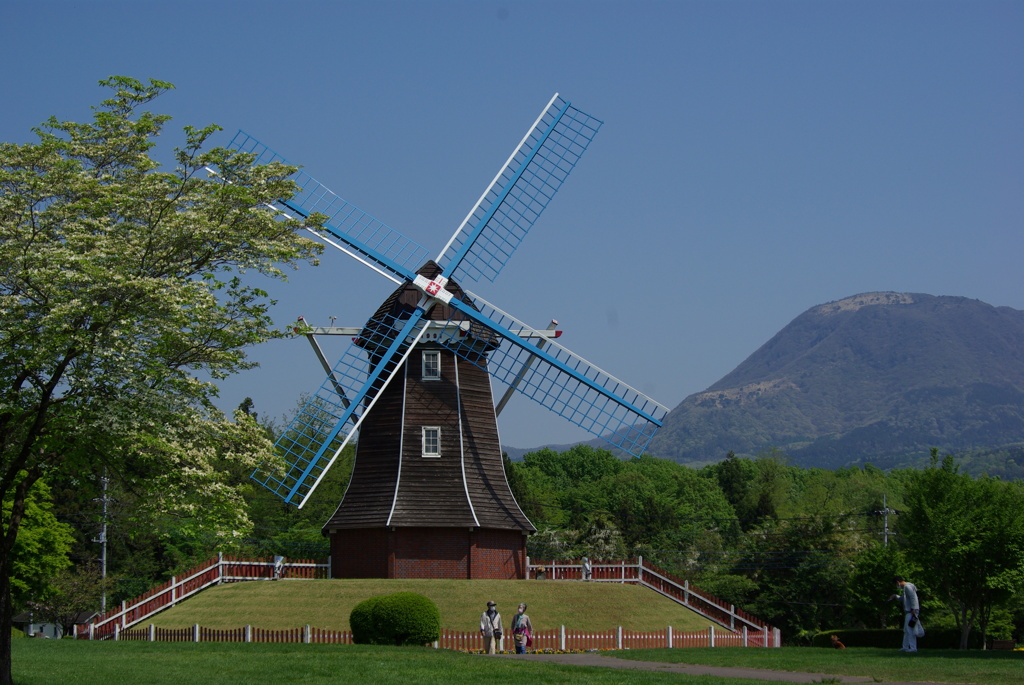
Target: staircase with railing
x=220, y=569
x=639, y=572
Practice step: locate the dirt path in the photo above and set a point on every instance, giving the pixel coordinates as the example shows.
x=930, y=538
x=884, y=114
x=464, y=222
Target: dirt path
x=594, y=659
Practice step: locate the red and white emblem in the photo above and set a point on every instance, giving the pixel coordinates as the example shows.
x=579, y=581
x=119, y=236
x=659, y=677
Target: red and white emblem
x=434, y=288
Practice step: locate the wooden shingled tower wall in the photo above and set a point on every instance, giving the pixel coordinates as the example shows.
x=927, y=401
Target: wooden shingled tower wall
x=415, y=508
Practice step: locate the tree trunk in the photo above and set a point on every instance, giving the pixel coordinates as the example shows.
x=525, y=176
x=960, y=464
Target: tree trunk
x=984, y=614
x=18, y=495
x=965, y=632
x=6, y=620
x=965, y=617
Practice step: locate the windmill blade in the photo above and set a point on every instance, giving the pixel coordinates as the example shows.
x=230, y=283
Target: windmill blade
x=510, y=206
x=522, y=372
x=329, y=420
x=555, y=377
x=363, y=237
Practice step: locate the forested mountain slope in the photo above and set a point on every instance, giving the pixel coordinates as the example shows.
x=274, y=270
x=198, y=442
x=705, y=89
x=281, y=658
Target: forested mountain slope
x=878, y=377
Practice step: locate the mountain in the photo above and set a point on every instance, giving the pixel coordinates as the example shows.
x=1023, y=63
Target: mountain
x=878, y=377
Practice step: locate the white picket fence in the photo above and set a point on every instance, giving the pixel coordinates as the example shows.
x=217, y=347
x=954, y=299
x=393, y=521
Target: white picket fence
x=557, y=639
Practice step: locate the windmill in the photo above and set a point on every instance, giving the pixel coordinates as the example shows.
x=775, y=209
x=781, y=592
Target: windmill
x=428, y=495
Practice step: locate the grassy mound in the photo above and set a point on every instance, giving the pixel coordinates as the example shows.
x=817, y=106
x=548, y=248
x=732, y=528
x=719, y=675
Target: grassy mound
x=328, y=603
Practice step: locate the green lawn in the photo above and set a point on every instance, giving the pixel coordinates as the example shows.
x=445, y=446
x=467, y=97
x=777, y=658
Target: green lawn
x=327, y=604
x=46, y=662
x=929, y=665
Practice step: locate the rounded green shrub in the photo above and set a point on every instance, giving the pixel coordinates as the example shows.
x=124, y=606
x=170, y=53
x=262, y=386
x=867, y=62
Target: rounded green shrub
x=404, y=618
x=363, y=622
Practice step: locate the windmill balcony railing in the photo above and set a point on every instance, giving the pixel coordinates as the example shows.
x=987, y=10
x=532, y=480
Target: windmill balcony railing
x=639, y=572
x=220, y=569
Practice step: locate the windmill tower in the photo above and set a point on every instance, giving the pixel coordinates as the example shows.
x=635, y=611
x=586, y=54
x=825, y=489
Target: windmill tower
x=428, y=496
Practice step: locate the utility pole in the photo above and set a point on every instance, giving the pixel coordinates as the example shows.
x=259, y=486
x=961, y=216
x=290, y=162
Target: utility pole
x=102, y=539
x=885, y=512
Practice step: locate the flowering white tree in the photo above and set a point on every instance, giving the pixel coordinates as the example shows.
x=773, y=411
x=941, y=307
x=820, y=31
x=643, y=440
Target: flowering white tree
x=121, y=295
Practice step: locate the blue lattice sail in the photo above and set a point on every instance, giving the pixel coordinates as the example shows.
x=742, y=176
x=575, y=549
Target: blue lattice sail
x=370, y=239
x=513, y=201
x=559, y=379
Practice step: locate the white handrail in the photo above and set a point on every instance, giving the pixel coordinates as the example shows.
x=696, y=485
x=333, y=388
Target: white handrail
x=685, y=591
x=175, y=592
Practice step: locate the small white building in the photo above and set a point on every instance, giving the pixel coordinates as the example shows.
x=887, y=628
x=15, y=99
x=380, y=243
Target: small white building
x=25, y=623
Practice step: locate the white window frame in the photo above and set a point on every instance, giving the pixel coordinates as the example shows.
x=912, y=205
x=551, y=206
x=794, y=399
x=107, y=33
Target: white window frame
x=428, y=435
x=435, y=355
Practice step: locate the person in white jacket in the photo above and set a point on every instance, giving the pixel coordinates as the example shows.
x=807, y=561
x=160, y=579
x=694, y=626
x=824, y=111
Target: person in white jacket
x=911, y=612
x=490, y=628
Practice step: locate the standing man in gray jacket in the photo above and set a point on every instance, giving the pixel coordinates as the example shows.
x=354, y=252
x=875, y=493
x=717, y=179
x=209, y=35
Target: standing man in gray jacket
x=911, y=610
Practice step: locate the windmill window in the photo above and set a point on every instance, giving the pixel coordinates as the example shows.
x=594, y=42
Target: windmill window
x=431, y=364
x=431, y=441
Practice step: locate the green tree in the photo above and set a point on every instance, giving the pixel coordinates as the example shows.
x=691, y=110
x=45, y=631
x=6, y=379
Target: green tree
x=70, y=593
x=871, y=583
x=665, y=505
x=769, y=491
x=578, y=464
x=122, y=302
x=41, y=550
x=967, y=536
x=734, y=476
x=560, y=488
x=801, y=566
x=803, y=532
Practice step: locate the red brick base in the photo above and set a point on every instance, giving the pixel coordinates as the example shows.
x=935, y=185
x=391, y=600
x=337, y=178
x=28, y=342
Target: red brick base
x=428, y=553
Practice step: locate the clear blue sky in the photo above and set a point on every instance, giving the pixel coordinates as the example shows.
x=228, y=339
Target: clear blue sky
x=757, y=158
